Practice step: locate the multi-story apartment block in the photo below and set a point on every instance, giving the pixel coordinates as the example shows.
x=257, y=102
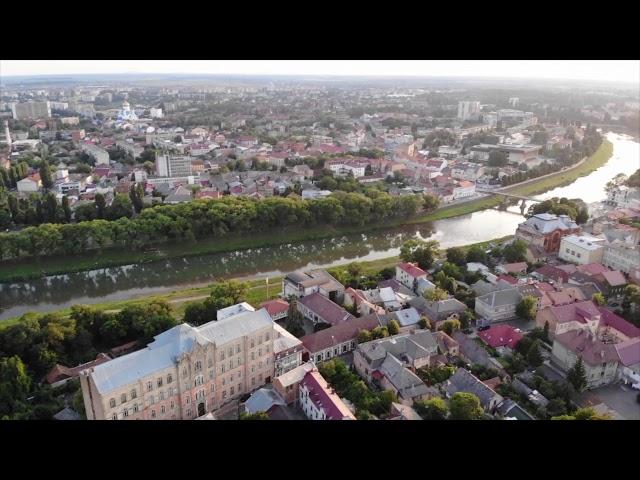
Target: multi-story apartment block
x=173, y=166
x=21, y=111
x=186, y=372
x=581, y=249
x=621, y=256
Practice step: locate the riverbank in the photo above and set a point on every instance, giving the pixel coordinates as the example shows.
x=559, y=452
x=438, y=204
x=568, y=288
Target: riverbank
x=258, y=290
x=27, y=269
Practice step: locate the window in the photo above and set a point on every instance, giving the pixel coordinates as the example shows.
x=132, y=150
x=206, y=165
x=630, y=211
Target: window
x=173, y=405
x=238, y=361
x=198, y=366
x=112, y=402
x=578, y=255
x=231, y=352
x=134, y=394
x=260, y=364
x=149, y=386
x=230, y=364
x=169, y=379
x=188, y=399
x=259, y=352
x=152, y=400
x=224, y=381
x=329, y=354
x=160, y=382
x=232, y=390
x=253, y=381
x=199, y=380
x=123, y=398
x=210, y=362
x=161, y=396
x=210, y=374
x=212, y=388
x=567, y=250
x=222, y=368
x=253, y=355
x=153, y=414
x=237, y=348
x=344, y=348
x=135, y=408
x=335, y=351
x=318, y=358
x=253, y=368
x=253, y=343
x=189, y=413
x=114, y=417
x=224, y=394
x=221, y=355
x=125, y=413
x=239, y=388
x=184, y=372
x=162, y=409
x=267, y=336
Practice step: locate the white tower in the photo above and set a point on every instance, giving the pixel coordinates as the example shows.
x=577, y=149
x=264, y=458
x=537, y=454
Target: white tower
x=7, y=134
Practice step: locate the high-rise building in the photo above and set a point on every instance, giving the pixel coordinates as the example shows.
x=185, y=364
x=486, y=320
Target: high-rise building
x=513, y=101
x=185, y=372
x=468, y=110
x=173, y=165
x=24, y=110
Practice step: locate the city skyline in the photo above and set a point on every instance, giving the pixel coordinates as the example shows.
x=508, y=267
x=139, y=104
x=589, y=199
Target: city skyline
x=619, y=71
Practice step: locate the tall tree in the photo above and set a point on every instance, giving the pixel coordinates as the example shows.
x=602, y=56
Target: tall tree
x=465, y=406
x=577, y=375
x=45, y=174
x=527, y=308
x=66, y=209
x=534, y=357
x=101, y=205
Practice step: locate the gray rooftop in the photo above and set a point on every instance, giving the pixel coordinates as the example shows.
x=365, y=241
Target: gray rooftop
x=500, y=298
x=168, y=346
x=465, y=381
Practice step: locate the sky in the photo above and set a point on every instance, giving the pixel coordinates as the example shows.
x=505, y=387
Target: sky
x=596, y=70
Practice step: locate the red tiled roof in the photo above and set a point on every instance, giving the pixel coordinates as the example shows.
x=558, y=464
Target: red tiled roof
x=325, y=397
x=340, y=333
x=592, y=268
x=592, y=350
x=275, y=307
x=60, y=372
x=574, y=311
x=515, y=267
x=507, y=278
x=613, y=277
x=412, y=269
x=610, y=319
x=326, y=309
x=501, y=336
x=552, y=272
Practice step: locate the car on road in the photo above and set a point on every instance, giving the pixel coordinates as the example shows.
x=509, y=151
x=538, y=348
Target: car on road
x=484, y=327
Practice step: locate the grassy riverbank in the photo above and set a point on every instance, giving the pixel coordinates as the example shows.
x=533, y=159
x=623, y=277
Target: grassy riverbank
x=27, y=269
x=257, y=293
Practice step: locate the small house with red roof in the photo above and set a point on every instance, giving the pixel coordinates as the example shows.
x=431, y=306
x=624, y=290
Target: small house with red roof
x=32, y=183
x=501, y=336
x=59, y=374
x=515, y=268
x=614, y=328
x=277, y=308
x=408, y=274
x=572, y=316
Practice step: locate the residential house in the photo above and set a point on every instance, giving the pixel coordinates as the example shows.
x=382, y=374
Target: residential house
x=501, y=337
x=439, y=311
x=581, y=249
x=629, y=360
x=318, y=308
x=615, y=329
x=613, y=281
x=513, y=268
x=277, y=309
x=287, y=351
x=472, y=352
x=391, y=363
x=59, y=374
x=498, y=305
x=319, y=401
x=600, y=359
x=339, y=339
x=299, y=284
x=564, y=318
x=287, y=384
x=408, y=274
x=446, y=344
x=32, y=183
x=464, y=381
x=262, y=400
x=403, y=412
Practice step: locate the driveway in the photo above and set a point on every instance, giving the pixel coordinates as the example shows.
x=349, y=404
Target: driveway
x=620, y=398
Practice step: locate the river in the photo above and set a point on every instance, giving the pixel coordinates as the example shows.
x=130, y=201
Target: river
x=120, y=283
